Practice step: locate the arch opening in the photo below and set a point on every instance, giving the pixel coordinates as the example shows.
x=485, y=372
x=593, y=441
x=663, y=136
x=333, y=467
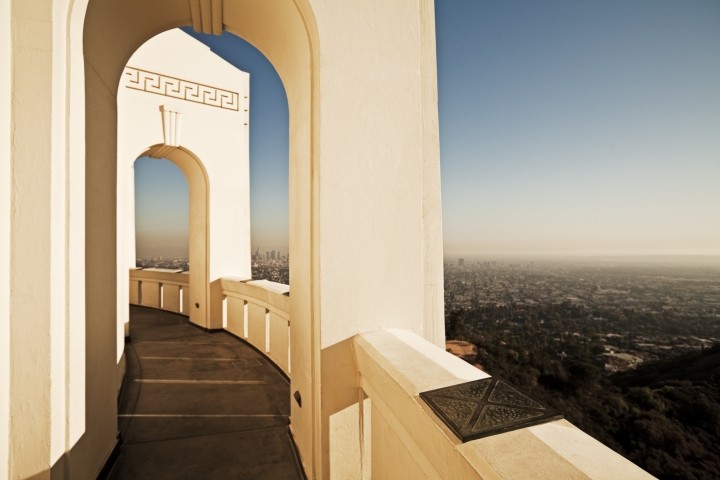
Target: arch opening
x=198, y=229
x=285, y=34
x=161, y=208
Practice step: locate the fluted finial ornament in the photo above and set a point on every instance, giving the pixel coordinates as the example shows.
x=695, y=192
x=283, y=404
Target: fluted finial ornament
x=172, y=129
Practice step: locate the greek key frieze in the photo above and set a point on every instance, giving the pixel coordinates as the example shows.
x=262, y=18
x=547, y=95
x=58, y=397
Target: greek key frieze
x=159, y=84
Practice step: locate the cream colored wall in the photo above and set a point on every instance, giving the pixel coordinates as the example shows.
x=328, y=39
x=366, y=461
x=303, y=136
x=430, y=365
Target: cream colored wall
x=44, y=268
x=91, y=96
x=392, y=459
x=217, y=136
x=433, y=275
x=380, y=257
x=31, y=239
x=75, y=125
x=373, y=149
x=5, y=209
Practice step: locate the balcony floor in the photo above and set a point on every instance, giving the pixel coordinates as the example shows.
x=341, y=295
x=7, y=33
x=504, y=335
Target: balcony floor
x=200, y=405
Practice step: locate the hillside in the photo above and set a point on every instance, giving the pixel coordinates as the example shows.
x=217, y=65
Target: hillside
x=674, y=426
x=664, y=416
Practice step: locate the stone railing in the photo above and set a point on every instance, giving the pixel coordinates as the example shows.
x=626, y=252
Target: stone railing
x=256, y=311
x=407, y=437
x=160, y=288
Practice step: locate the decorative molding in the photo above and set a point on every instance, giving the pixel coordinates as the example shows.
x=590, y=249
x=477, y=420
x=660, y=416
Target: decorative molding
x=172, y=125
x=159, y=84
x=207, y=16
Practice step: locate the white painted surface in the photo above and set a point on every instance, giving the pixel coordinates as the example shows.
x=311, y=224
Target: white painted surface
x=217, y=137
x=372, y=189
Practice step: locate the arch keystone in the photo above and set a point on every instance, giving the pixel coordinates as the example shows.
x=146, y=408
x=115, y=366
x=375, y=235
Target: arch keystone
x=207, y=16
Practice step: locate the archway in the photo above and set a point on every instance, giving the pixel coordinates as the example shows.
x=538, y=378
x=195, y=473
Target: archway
x=285, y=33
x=198, y=231
x=160, y=199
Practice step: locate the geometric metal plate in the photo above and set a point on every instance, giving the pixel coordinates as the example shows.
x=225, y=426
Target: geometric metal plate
x=486, y=407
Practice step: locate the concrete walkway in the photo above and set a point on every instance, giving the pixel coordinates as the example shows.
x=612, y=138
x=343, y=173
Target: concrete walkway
x=199, y=405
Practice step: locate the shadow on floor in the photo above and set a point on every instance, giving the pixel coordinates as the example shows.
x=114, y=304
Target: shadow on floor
x=198, y=405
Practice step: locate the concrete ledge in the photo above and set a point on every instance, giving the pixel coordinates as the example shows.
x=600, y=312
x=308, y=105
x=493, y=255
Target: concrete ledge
x=395, y=365
x=269, y=295
x=160, y=275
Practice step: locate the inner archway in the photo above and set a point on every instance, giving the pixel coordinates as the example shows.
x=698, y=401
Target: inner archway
x=198, y=229
x=161, y=202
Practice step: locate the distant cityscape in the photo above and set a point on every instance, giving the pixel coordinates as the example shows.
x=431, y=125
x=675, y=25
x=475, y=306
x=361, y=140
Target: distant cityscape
x=273, y=265
x=625, y=348
x=172, y=263
x=615, y=314
x=618, y=315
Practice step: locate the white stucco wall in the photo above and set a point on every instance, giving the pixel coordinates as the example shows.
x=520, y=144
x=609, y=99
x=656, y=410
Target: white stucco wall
x=374, y=148
x=217, y=136
x=5, y=206
x=42, y=321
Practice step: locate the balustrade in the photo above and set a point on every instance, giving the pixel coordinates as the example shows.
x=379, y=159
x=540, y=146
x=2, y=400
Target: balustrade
x=257, y=311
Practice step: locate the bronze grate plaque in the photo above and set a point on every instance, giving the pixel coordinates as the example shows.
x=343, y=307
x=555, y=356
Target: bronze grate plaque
x=486, y=407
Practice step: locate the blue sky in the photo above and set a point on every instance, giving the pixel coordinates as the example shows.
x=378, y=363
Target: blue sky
x=161, y=209
x=566, y=127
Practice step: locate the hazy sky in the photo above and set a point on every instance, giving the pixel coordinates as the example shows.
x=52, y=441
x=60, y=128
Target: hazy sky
x=161, y=209
x=566, y=127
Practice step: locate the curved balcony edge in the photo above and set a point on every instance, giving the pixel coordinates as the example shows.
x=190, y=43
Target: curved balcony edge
x=256, y=311
x=396, y=365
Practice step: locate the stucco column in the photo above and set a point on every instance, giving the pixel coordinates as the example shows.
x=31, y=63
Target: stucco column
x=37, y=320
x=380, y=237
x=5, y=209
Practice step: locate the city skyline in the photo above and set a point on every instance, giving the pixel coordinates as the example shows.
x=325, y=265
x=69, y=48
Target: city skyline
x=566, y=128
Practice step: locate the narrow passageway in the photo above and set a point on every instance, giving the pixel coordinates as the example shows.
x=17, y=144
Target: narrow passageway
x=198, y=405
